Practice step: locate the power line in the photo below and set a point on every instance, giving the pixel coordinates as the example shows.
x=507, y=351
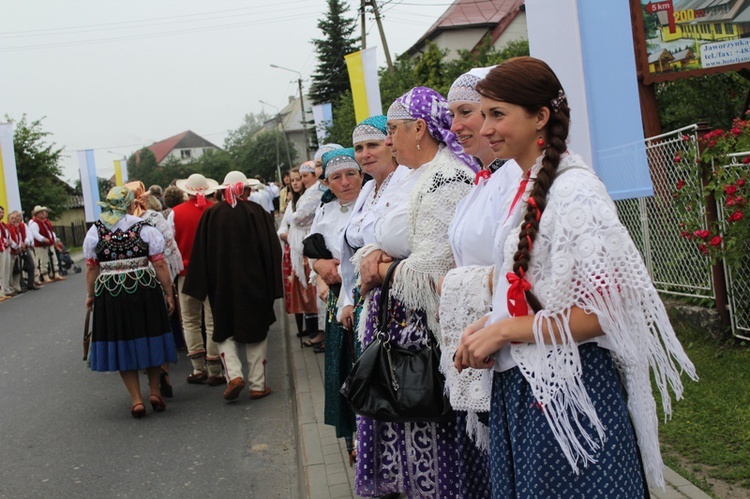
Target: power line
x=157, y=34
x=150, y=21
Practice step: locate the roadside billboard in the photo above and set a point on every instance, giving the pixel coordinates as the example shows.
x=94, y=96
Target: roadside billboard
x=682, y=38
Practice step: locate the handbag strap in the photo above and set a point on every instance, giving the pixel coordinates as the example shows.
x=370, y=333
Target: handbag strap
x=385, y=291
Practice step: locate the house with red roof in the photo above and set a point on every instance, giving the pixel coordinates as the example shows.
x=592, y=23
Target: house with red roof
x=186, y=147
x=466, y=22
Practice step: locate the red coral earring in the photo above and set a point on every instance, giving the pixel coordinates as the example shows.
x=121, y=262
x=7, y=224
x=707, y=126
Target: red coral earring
x=540, y=141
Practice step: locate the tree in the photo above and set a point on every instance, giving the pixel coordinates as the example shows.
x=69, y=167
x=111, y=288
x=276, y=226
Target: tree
x=715, y=99
x=103, y=184
x=215, y=164
x=141, y=164
x=251, y=124
x=331, y=78
x=170, y=170
x=38, y=167
x=258, y=155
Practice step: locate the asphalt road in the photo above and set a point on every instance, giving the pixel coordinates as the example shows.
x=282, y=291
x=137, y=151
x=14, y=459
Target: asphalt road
x=67, y=431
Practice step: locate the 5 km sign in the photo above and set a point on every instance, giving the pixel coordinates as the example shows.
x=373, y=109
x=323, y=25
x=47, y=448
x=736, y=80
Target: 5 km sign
x=665, y=6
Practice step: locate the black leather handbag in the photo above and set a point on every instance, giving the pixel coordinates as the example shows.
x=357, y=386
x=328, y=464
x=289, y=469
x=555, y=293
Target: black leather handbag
x=392, y=384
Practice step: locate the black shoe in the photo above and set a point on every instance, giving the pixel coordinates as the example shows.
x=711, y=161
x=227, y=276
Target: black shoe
x=164, y=387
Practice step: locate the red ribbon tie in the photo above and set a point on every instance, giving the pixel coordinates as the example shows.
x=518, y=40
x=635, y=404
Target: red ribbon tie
x=517, y=305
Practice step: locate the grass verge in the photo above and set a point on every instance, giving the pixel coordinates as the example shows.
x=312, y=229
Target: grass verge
x=709, y=435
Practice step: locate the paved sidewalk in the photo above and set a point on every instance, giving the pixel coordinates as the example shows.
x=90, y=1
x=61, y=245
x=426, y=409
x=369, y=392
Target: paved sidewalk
x=323, y=460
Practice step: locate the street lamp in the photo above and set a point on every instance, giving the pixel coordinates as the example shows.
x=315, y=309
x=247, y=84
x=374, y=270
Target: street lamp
x=286, y=143
x=301, y=104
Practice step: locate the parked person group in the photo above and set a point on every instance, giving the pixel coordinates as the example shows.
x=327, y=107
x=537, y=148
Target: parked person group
x=479, y=234
x=28, y=253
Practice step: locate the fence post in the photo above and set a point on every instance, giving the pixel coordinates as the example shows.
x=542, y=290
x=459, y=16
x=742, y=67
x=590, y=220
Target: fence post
x=721, y=295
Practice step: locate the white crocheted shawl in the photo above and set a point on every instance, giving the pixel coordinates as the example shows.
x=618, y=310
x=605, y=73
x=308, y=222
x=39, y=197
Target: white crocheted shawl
x=584, y=256
x=172, y=254
x=432, y=203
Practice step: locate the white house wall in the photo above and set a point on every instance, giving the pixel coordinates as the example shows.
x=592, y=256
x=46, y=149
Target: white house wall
x=195, y=153
x=463, y=39
x=517, y=30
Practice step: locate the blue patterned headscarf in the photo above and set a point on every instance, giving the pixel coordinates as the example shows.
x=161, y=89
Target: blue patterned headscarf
x=339, y=159
x=427, y=104
x=116, y=206
x=372, y=128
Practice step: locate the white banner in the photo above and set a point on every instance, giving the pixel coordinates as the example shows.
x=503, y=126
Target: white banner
x=10, y=197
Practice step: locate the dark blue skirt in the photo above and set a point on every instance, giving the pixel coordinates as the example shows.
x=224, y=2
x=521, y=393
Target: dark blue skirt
x=527, y=462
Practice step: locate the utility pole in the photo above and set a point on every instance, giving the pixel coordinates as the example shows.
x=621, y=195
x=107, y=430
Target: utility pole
x=375, y=10
x=364, y=28
x=304, y=121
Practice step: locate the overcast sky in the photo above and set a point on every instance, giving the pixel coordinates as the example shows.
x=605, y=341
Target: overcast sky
x=118, y=75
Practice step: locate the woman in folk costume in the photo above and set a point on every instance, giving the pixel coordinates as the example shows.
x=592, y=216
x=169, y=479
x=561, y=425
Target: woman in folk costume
x=172, y=256
x=300, y=221
x=465, y=291
x=127, y=281
x=573, y=313
x=299, y=296
x=141, y=209
x=344, y=179
x=376, y=159
x=417, y=459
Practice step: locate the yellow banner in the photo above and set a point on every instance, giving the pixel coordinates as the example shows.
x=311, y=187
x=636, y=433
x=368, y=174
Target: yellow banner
x=118, y=172
x=357, y=81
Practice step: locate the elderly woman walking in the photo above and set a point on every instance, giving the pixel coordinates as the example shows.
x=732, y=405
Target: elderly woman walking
x=131, y=324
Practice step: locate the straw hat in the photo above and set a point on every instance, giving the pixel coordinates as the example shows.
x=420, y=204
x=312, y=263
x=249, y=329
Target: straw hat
x=37, y=209
x=234, y=177
x=196, y=183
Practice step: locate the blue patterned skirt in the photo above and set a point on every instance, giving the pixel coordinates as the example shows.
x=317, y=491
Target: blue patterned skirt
x=416, y=459
x=527, y=462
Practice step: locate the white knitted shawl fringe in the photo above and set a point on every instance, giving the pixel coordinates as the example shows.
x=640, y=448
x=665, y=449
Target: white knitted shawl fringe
x=584, y=256
x=465, y=297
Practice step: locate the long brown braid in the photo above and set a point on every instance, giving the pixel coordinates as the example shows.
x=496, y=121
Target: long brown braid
x=531, y=84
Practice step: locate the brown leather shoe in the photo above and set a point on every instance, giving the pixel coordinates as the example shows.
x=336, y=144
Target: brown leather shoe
x=234, y=388
x=259, y=394
x=59, y=278
x=197, y=378
x=217, y=380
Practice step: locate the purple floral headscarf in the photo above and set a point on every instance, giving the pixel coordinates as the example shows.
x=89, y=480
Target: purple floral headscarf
x=427, y=104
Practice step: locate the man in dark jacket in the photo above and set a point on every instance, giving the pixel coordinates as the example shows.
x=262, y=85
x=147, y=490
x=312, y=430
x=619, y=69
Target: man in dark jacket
x=236, y=263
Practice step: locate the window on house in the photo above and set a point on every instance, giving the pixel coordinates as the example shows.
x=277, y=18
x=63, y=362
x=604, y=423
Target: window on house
x=729, y=29
x=185, y=154
x=717, y=29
